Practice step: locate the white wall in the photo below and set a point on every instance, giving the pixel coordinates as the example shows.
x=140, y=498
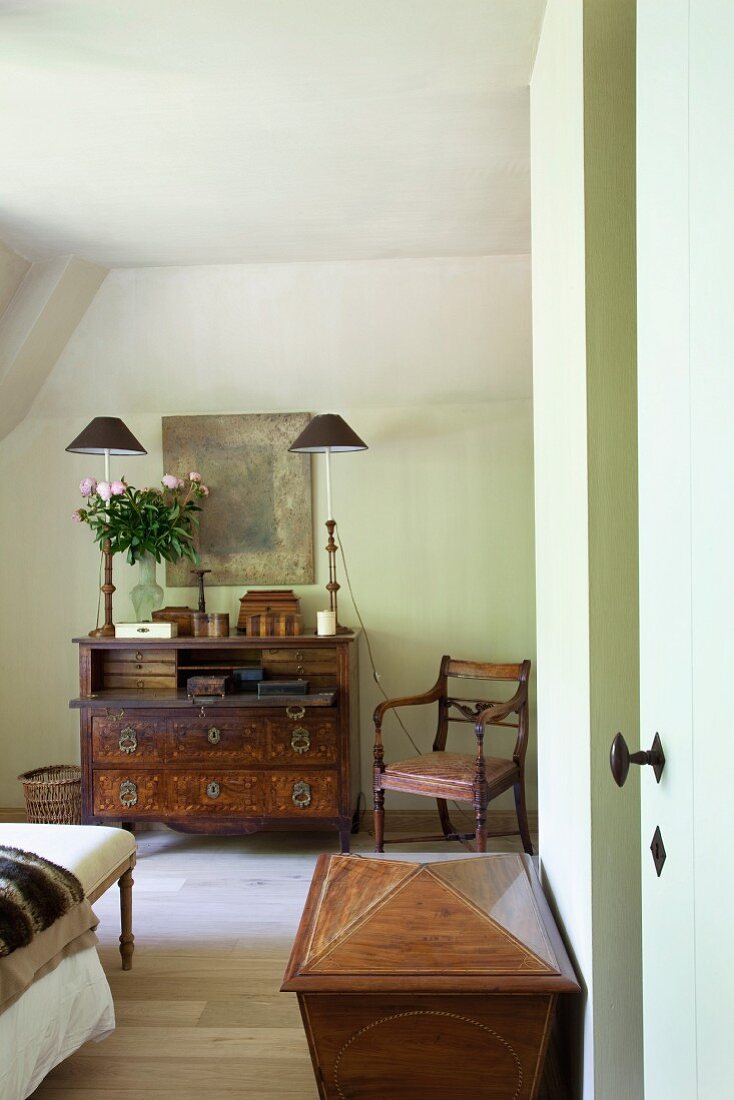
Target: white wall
x=561, y=485
x=436, y=517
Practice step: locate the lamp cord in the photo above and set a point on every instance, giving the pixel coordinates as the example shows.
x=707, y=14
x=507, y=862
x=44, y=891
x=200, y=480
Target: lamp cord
x=375, y=674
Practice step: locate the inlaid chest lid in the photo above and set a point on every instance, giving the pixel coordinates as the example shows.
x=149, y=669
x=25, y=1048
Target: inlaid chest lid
x=479, y=923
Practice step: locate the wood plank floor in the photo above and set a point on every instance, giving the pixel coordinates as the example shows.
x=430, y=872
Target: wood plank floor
x=200, y=1014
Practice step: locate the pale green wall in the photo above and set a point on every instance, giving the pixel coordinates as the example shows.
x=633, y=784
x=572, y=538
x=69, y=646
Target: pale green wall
x=437, y=516
x=583, y=164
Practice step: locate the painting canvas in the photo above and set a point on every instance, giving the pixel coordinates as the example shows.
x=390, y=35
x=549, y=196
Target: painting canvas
x=255, y=527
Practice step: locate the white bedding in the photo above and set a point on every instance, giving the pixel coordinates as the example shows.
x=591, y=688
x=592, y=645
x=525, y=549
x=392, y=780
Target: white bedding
x=51, y=1020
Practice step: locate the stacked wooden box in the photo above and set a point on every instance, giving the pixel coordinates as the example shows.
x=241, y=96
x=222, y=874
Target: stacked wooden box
x=272, y=612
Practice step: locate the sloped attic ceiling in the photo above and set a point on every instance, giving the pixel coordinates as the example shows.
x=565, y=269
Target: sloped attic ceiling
x=216, y=131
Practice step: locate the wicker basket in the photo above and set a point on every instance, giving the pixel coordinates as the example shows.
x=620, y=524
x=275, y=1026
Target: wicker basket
x=53, y=795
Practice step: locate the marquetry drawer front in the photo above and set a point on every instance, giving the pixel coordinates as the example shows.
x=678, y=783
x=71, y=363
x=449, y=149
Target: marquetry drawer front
x=127, y=794
x=294, y=793
x=217, y=742
x=140, y=668
x=117, y=740
x=318, y=666
x=312, y=738
x=216, y=793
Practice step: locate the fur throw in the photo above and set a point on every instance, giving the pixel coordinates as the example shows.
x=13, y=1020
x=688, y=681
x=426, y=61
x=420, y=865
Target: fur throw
x=33, y=894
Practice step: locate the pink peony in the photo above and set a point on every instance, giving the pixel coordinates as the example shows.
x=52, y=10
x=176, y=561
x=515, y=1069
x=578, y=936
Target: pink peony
x=194, y=476
x=104, y=490
x=204, y=490
x=87, y=486
x=76, y=516
x=117, y=488
x=171, y=482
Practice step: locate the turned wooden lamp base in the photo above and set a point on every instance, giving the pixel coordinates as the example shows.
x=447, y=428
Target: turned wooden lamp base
x=108, y=629
x=333, y=586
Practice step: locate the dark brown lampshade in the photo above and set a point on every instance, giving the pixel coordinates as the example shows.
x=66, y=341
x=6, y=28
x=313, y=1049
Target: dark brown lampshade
x=106, y=433
x=327, y=432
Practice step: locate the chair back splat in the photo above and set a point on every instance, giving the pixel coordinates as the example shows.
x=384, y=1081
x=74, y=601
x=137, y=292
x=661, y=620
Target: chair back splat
x=442, y=775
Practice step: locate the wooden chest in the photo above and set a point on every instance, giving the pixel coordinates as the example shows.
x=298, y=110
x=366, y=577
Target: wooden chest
x=153, y=751
x=423, y=981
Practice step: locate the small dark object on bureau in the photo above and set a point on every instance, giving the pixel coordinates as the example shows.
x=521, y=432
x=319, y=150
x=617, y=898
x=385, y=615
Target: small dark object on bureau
x=282, y=687
x=246, y=679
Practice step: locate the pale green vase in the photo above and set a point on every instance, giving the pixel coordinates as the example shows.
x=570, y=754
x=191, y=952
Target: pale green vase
x=147, y=595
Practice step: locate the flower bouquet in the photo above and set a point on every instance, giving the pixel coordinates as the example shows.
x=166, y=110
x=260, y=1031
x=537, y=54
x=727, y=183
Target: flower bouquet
x=160, y=522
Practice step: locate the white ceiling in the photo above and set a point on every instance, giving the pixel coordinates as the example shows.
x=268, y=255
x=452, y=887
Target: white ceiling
x=231, y=131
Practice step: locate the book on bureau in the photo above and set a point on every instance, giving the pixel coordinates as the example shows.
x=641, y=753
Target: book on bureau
x=232, y=763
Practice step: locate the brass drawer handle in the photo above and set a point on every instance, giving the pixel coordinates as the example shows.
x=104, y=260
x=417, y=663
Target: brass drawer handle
x=140, y=683
x=138, y=656
x=301, y=739
x=295, y=712
x=300, y=670
x=128, y=740
x=128, y=793
x=301, y=796
x=214, y=736
x=299, y=654
x=115, y=717
x=212, y=789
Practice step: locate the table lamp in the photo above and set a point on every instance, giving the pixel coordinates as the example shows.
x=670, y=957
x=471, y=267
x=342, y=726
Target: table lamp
x=325, y=433
x=106, y=435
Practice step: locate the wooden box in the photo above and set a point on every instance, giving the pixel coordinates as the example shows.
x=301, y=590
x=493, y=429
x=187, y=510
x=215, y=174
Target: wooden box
x=278, y=625
x=267, y=601
x=214, y=684
x=427, y=980
x=146, y=630
x=181, y=616
x=210, y=624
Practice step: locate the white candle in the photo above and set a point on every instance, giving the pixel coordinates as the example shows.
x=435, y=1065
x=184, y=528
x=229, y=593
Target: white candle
x=325, y=622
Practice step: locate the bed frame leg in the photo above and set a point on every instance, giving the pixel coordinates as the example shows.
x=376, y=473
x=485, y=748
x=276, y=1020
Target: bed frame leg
x=127, y=939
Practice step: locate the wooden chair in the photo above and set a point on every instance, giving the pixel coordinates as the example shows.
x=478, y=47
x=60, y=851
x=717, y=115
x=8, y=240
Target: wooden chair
x=464, y=778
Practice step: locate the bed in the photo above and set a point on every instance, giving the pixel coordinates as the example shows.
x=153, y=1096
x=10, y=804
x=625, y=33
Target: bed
x=54, y=995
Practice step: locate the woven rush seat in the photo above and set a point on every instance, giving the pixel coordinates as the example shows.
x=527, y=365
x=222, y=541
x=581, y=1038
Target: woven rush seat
x=453, y=771
x=98, y=855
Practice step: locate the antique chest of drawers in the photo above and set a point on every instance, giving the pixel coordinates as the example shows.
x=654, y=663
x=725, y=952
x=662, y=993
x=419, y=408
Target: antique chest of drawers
x=231, y=763
x=427, y=980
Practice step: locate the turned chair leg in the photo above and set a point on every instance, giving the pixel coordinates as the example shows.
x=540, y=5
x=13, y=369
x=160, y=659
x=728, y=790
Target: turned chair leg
x=522, y=815
x=379, y=819
x=443, y=813
x=127, y=939
x=480, y=806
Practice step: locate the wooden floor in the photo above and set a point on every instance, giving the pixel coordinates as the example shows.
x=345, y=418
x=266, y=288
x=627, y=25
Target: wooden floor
x=200, y=1015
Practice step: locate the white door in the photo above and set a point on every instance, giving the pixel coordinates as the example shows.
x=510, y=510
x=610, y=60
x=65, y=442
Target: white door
x=685, y=102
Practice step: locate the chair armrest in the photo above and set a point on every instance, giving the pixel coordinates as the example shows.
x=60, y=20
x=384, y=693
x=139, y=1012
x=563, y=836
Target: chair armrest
x=499, y=711
x=407, y=701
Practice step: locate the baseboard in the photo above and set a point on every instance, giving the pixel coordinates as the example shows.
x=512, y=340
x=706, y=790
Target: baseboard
x=411, y=822
x=12, y=813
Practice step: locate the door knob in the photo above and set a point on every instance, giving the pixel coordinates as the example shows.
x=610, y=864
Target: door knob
x=620, y=758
